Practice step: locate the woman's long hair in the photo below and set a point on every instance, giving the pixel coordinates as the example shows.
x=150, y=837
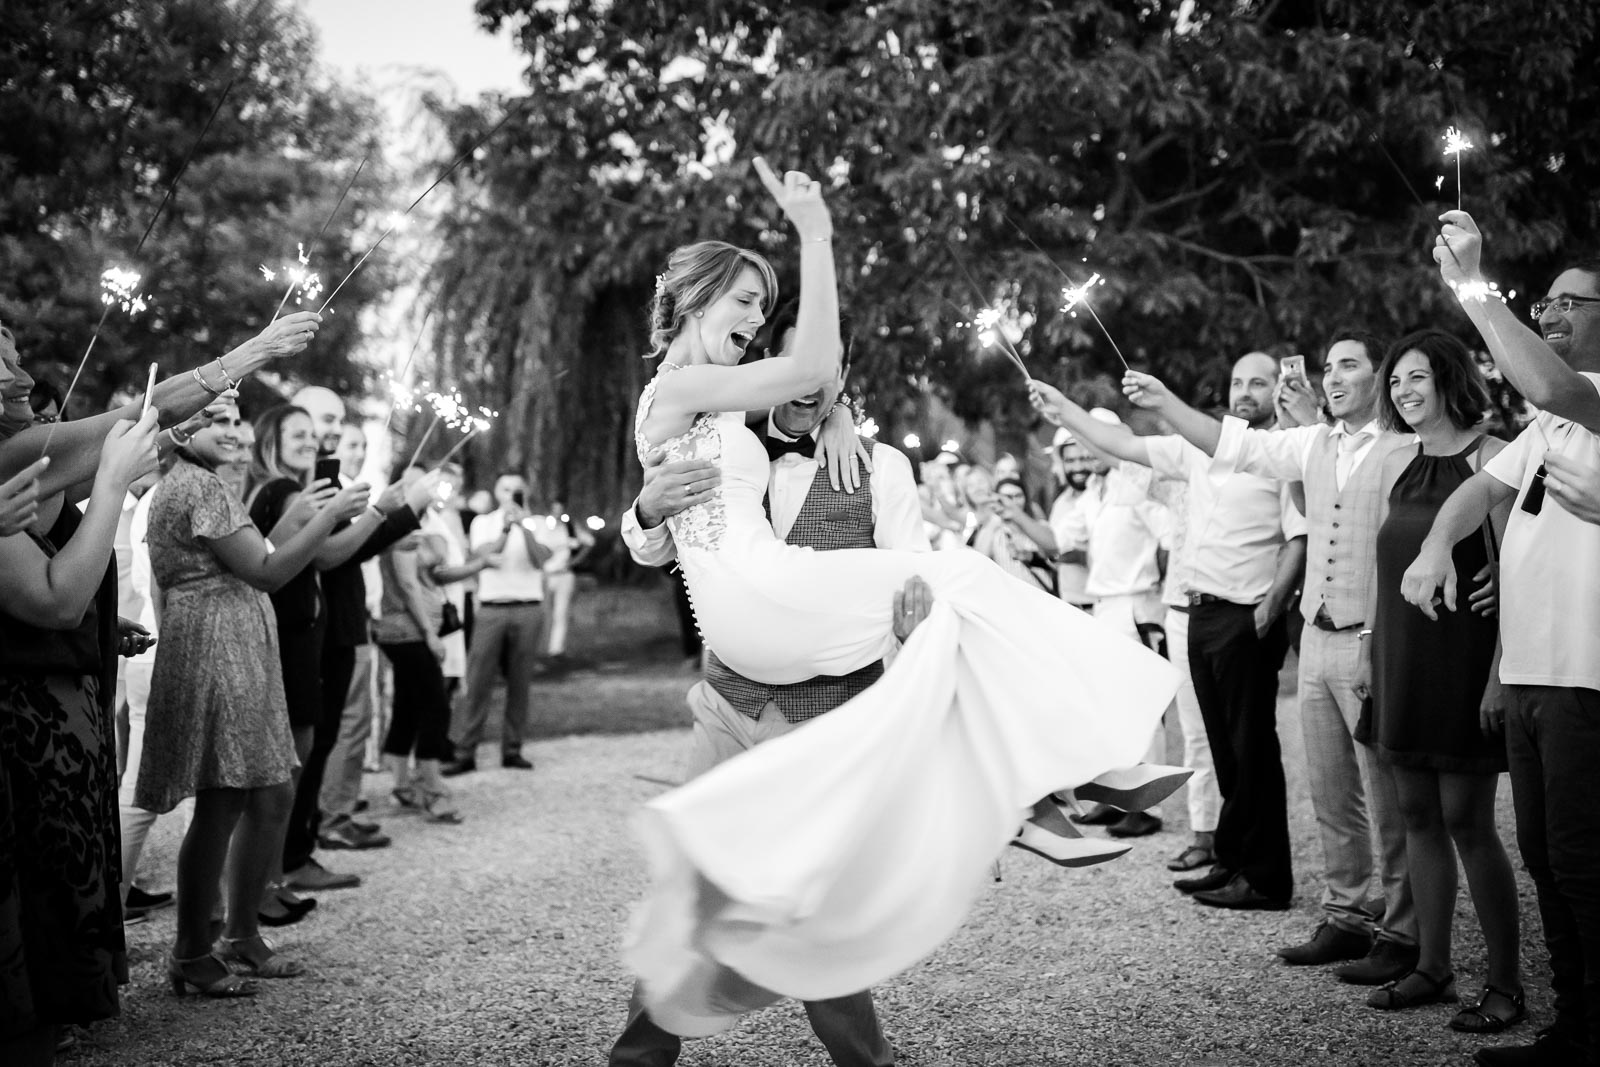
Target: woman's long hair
x=266, y=457
x=697, y=275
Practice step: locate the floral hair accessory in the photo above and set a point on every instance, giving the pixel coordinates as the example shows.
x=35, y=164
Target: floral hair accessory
x=661, y=284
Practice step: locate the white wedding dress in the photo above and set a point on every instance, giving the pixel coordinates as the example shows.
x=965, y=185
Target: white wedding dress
x=834, y=857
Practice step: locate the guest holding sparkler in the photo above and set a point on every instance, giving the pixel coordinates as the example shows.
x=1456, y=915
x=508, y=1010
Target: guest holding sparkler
x=218, y=726
x=62, y=953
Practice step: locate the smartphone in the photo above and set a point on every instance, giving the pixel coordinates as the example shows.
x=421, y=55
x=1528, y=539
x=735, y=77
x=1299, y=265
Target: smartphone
x=1294, y=367
x=519, y=498
x=326, y=468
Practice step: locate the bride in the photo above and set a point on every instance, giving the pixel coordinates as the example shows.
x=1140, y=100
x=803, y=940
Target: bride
x=825, y=861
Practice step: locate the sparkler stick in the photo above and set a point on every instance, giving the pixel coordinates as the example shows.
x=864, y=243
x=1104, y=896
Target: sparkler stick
x=421, y=333
x=988, y=319
x=1074, y=294
x=476, y=429
x=1403, y=179
x=149, y=390
x=1455, y=143
x=447, y=408
x=167, y=196
x=305, y=257
x=401, y=217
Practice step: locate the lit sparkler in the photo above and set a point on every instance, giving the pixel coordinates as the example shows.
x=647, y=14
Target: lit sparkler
x=1455, y=143
x=474, y=425
x=304, y=284
x=1074, y=295
x=119, y=288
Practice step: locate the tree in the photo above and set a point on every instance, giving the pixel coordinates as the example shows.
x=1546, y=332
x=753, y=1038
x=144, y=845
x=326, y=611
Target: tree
x=100, y=104
x=1241, y=173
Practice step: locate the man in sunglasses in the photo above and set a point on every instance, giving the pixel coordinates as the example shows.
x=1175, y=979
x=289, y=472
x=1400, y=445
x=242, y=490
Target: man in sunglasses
x=1550, y=619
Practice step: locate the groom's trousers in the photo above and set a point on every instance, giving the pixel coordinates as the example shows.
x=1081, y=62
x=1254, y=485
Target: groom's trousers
x=847, y=1026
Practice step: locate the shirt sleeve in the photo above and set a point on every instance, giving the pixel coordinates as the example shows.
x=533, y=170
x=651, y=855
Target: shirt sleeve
x=1510, y=464
x=1169, y=455
x=1270, y=453
x=1294, y=523
x=649, y=548
x=214, y=512
x=1071, y=525
x=485, y=530
x=896, y=508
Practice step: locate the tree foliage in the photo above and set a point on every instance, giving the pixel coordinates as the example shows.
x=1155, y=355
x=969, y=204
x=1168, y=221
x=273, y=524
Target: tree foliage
x=1242, y=173
x=100, y=103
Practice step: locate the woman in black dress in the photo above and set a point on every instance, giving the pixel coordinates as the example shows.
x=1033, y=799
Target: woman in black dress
x=1427, y=682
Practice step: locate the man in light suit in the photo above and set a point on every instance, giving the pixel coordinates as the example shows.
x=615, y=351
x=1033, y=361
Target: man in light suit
x=733, y=713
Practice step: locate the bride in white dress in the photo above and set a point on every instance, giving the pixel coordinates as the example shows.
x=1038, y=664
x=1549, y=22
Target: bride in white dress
x=823, y=862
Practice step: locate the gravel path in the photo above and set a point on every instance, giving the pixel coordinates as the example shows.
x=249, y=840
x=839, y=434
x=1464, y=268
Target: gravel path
x=494, y=942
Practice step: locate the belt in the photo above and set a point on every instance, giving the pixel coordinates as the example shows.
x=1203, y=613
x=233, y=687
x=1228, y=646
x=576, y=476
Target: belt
x=1322, y=621
x=1197, y=599
x=510, y=603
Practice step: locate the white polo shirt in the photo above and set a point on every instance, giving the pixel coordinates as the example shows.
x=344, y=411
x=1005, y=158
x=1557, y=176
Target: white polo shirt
x=1121, y=528
x=517, y=579
x=1549, y=567
x=1237, y=523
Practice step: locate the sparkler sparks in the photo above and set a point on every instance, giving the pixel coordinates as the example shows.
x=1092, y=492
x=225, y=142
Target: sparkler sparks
x=119, y=288
x=1073, y=295
x=1455, y=143
x=1478, y=290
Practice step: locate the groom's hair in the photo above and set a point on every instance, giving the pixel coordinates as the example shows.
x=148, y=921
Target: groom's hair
x=784, y=320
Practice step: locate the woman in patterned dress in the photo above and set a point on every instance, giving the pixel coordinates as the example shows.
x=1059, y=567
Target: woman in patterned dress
x=217, y=729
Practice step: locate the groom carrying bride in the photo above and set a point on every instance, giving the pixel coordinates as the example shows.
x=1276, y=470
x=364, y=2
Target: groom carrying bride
x=732, y=713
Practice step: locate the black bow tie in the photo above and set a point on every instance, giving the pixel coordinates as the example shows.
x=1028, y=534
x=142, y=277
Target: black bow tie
x=806, y=446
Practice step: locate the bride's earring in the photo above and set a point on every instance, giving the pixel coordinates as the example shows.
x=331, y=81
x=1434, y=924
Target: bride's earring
x=699, y=314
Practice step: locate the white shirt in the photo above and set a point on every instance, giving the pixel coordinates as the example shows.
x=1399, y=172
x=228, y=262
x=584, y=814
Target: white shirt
x=1549, y=567
x=896, y=508
x=1237, y=523
x=1286, y=453
x=141, y=581
x=1071, y=578
x=517, y=578
x=1121, y=527
x=129, y=603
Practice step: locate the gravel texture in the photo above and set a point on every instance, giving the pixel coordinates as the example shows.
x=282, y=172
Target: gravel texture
x=495, y=942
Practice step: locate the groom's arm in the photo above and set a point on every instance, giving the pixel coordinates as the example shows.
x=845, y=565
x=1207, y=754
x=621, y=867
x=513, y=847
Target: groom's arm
x=668, y=489
x=896, y=509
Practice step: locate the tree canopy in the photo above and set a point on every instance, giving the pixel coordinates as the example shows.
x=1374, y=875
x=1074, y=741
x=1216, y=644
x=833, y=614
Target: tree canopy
x=101, y=101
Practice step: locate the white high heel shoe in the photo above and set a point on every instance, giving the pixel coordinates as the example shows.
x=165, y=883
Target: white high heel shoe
x=1134, y=788
x=1067, y=851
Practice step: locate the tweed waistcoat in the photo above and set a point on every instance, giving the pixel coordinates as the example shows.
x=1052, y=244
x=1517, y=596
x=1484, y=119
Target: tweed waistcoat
x=827, y=520
x=1342, y=530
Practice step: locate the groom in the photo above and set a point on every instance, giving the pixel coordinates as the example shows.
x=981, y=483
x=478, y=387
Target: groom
x=733, y=713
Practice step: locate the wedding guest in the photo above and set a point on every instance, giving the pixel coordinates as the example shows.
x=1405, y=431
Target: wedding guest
x=1072, y=466
x=1009, y=533
x=411, y=631
x=443, y=518
x=1427, y=680
x=218, y=726
x=1340, y=466
x=1549, y=621
x=62, y=952
x=568, y=543
x=45, y=400
x=509, y=612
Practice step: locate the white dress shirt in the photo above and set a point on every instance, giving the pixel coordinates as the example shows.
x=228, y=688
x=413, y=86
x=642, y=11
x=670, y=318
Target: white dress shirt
x=1549, y=566
x=896, y=508
x=1121, y=528
x=1286, y=454
x=517, y=579
x=1237, y=523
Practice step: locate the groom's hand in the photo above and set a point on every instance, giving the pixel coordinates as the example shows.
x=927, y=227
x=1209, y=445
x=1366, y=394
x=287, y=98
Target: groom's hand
x=671, y=487
x=911, y=606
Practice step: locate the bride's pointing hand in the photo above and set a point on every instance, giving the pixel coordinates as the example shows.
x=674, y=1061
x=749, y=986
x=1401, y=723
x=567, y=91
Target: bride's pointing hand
x=801, y=200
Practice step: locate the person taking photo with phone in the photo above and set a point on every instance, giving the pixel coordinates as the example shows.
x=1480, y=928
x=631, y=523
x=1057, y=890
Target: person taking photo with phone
x=505, y=639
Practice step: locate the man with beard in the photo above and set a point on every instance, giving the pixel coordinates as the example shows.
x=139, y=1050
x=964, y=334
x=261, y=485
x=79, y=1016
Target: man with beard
x=1228, y=585
x=1073, y=466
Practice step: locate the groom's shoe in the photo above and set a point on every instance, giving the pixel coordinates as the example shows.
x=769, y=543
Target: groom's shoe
x=1134, y=788
x=1240, y=895
x=1067, y=851
x=1217, y=877
x=1099, y=815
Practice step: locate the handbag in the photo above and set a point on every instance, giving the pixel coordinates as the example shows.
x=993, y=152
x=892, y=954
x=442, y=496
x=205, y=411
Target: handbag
x=450, y=620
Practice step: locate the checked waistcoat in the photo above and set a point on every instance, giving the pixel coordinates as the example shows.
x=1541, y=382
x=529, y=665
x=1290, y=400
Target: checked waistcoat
x=827, y=520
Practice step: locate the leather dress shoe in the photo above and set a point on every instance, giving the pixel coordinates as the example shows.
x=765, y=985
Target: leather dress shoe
x=460, y=766
x=1388, y=961
x=1099, y=815
x=1135, y=824
x=1328, y=944
x=1215, y=878
x=1550, y=1048
x=1240, y=895
x=516, y=762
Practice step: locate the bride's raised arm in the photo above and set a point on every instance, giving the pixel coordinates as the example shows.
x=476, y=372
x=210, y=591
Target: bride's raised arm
x=706, y=385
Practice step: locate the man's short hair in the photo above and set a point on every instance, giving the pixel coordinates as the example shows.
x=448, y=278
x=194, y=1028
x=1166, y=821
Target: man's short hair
x=784, y=320
x=1374, y=345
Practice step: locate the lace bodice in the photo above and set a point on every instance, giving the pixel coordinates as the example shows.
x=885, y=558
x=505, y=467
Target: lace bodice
x=701, y=525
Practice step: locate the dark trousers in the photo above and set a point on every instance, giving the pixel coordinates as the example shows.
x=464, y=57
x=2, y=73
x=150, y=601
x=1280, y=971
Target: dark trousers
x=421, y=717
x=338, y=667
x=505, y=642
x=1235, y=677
x=1553, y=744
x=847, y=1027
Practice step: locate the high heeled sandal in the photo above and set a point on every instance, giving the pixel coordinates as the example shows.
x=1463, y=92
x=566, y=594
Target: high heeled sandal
x=1067, y=851
x=1134, y=788
x=228, y=984
x=1475, y=1020
x=1436, y=991
x=274, y=966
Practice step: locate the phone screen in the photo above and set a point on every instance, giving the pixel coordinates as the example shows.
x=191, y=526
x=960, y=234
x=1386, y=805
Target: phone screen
x=325, y=469
x=519, y=498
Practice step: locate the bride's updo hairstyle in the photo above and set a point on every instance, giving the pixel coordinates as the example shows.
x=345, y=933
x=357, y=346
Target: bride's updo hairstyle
x=695, y=277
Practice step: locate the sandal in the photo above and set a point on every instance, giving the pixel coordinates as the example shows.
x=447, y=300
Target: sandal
x=433, y=807
x=1475, y=1020
x=214, y=981
x=405, y=798
x=1192, y=859
x=233, y=952
x=1434, y=991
